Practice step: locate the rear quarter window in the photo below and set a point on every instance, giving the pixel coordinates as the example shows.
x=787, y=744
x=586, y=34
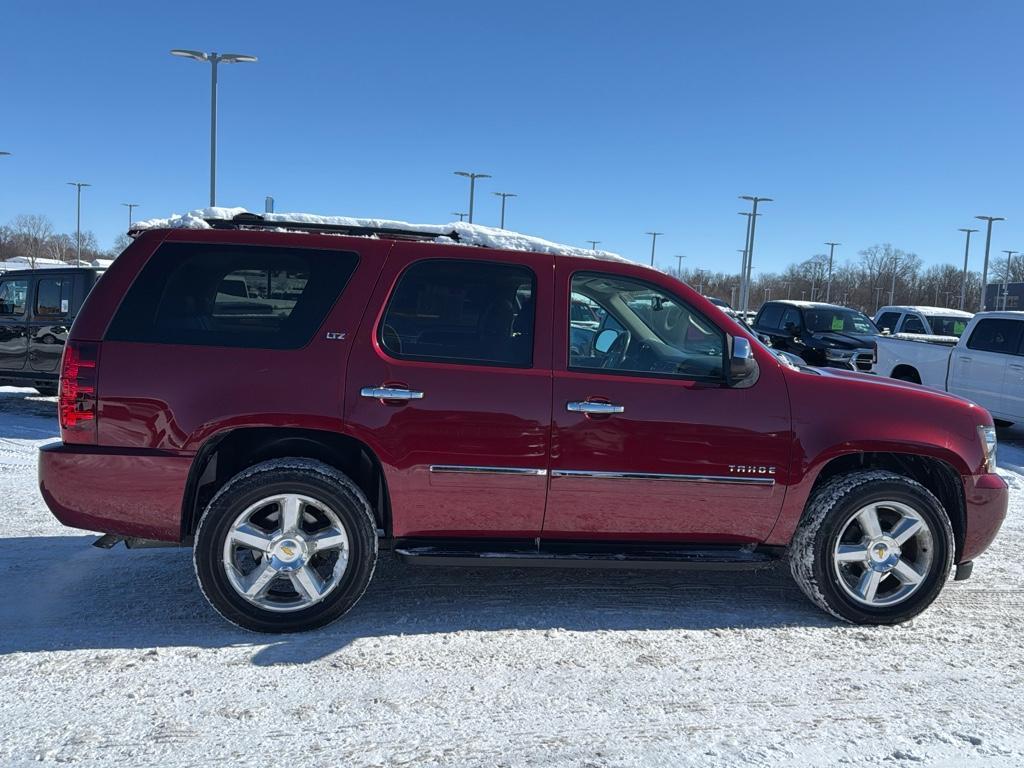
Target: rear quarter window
x=232, y=296
x=770, y=317
x=996, y=335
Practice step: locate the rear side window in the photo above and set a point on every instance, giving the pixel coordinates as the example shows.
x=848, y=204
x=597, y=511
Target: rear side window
x=913, y=324
x=53, y=297
x=888, y=320
x=232, y=296
x=996, y=335
x=770, y=317
x=791, y=316
x=12, y=297
x=455, y=311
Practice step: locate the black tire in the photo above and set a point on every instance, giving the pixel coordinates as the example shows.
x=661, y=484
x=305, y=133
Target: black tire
x=908, y=375
x=827, y=513
x=297, y=476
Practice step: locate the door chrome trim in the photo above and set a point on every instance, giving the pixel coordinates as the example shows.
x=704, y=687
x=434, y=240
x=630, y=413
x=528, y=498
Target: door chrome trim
x=723, y=479
x=390, y=393
x=593, y=407
x=452, y=469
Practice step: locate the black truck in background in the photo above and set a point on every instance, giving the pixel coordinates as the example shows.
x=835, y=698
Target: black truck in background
x=37, y=307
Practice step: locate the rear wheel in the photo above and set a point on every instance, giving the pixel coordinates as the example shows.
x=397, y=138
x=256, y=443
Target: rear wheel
x=874, y=547
x=285, y=546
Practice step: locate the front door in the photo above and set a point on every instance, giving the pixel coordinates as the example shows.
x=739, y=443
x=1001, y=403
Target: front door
x=451, y=387
x=13, y=322
x=977, y=370
x=647, y=442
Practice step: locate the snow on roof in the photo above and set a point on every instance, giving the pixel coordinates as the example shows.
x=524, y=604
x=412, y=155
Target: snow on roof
x=925, y=310
x=469, y=234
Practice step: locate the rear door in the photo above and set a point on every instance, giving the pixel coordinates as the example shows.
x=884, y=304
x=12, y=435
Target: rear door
x=450, y=385
x=14, y=293
x=977, y=369
x=50, y=320
x=1013, y=383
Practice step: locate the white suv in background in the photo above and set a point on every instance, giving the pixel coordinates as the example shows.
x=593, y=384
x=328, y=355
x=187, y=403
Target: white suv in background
x=926, y=321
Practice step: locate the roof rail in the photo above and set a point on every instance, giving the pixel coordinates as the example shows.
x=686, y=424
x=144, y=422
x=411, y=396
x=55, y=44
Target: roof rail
x=255, y=221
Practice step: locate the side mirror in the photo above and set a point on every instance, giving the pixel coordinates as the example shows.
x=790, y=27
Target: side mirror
x=605, y=339
x=743, y=368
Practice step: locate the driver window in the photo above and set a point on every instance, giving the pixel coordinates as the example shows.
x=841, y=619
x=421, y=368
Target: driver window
x=645, y=330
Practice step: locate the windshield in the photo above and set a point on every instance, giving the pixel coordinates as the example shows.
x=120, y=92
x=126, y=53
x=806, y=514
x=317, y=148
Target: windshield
x=947, y=326
x=839, y=321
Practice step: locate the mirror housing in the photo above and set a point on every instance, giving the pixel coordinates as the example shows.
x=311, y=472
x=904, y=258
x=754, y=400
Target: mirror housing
x=743, y=368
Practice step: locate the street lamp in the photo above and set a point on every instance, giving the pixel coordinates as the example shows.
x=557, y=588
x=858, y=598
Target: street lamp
x=828, y=286
x=963, y=282
x=654, y=239
x=679, y=264
x=462, y=216
x=988, y=242
x=130, y=207
x=1006, y=277
x=472, y=187
x=78, y=219
x=593, y=244
x=504, y=196
x=745, y=298
x=214, y=59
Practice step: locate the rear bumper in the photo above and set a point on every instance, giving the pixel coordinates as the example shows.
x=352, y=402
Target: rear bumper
x=113, y=490
x=987, y=499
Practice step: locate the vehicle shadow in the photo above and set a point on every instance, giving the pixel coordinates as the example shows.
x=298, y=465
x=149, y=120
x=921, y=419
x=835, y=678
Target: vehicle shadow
x=26, y=415
x=79, y=597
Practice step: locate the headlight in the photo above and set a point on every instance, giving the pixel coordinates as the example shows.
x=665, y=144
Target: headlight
x=839, y=355
x=988, y=447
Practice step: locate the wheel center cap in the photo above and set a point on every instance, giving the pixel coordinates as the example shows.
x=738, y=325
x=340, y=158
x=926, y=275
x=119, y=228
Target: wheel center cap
x=288, y=554
x=883, y=554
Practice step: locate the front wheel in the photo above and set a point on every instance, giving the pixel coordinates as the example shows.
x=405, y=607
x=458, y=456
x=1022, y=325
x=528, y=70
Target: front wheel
x=873, y=547
x=285, y=546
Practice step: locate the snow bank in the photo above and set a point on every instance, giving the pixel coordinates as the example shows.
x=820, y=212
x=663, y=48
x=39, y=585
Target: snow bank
x=469, y=234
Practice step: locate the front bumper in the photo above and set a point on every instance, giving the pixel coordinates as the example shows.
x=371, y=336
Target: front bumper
x=114, y=490
x=987, y=499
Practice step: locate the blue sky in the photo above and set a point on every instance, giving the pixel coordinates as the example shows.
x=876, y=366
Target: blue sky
x=867, y=122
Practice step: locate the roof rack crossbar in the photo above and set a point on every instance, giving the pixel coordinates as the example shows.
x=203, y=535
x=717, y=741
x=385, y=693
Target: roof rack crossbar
x=255, y=221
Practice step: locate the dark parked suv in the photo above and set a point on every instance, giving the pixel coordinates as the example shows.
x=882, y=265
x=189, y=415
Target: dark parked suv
x=37, y=308
x=822, y=334
x=287, y=397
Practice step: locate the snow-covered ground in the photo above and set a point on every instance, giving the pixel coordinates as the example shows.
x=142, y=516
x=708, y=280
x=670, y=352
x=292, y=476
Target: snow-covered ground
x=114, y=658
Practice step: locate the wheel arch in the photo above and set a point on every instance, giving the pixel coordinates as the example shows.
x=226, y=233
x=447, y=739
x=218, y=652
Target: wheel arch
x=227, y=453
x=904, y=370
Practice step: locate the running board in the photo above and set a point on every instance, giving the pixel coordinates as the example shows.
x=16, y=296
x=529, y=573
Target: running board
x=552, y=555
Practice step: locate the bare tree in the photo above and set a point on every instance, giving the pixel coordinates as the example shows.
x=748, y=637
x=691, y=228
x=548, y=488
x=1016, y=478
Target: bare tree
x=31, y=233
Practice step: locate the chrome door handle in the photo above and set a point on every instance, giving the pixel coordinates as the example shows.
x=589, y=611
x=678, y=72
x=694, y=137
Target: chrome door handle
x=1015, y=367
x=390, y=393
x=587, y=406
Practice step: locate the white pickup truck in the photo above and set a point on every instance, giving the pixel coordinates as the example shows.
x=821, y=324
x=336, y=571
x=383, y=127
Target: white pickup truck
x=985, y=365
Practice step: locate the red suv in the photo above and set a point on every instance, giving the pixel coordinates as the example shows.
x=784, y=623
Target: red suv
x=286, y=397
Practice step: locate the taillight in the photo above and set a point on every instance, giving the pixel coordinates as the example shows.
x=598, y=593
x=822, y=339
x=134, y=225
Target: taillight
x=77, y=401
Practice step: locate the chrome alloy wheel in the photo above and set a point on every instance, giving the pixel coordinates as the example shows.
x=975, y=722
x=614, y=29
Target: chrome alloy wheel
x=286, y=552
x=883, y=553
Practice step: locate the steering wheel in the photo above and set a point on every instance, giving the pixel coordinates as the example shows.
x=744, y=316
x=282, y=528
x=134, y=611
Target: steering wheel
x=616, y=353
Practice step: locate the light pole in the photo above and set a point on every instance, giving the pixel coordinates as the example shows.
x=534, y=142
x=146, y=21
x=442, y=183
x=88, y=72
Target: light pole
x=1006, y=277
x=963, y=282
x=789, y=289
x=214, y=59
x=130, y=207
x=892, y=288
x=988, y=242
x=700, y=276
x=750, y=244
x=504, y=196
x=878, y=298
x=472, y=187
x=679, y=264
x=654, y=239
x=78, y=219
x=462, y=216
x=828, y=285
x=593, y=244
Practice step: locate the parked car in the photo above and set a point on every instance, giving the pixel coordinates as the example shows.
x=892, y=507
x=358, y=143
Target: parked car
x=426, y=396
x=986, y=364
x=37, y=308
x=821, y=334
x=925, y=321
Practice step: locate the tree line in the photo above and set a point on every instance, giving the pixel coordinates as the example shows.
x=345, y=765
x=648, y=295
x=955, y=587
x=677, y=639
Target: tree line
x=865, y=283
x=34, y=237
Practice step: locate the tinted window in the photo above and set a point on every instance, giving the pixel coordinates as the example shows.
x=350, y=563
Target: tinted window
x=838, y=321
x=996, y=335
x=948, y=326
x=457, y=311
x=912, y=324
x=233, y=296
x=53, y=296
x=792, y=315
x=888, y=320
x=647, y=330
x=13, y=295
x=770, y=317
